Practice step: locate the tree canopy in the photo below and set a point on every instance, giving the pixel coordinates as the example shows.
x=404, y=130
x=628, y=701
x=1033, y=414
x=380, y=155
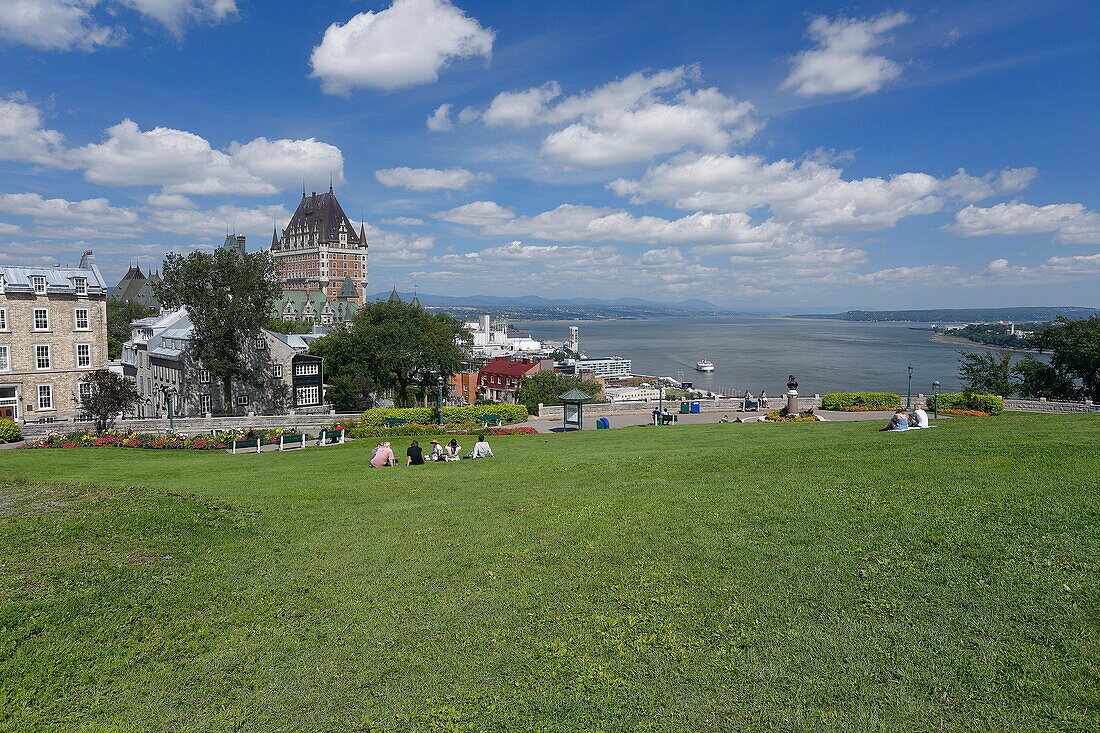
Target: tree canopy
x=1074, y=347
x=108, y=395
x=986, y=372
x=228, y=297
x=120, y=314
x=547, y=387
x=391, y=346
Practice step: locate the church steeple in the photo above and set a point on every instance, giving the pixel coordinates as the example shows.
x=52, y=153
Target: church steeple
x=394, y=297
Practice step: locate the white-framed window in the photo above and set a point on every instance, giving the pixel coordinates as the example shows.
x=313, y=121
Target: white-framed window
x=45, y=397
x=204, y=376
x=80, y=320
x=81, y=285
x=3, y=319
x=242, y=400
x=38, y=282
x=309, y=396
x=306, y=369
x=260, y=344
x=277, y=371
x=85, y=391
x=206, y=403
x=83, y=355
x=41, y=319
x=42, y=356
x=5, y=358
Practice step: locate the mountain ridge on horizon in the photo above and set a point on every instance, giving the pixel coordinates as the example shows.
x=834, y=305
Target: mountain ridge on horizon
x=429, y=299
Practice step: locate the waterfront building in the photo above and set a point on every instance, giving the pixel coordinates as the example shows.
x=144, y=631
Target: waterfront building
x=136, y=287
x=319, y=249
x=613, y=366
x=632, y=394
x=494, y=337
x=160, y=355
x=53, y=331
x=499, y=379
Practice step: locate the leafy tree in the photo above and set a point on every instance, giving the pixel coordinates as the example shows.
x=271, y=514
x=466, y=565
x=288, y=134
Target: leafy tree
x=986, y=372
x=228, y=297
x=397, y=346
x=283, y=325
x=120, y=314
x=1035, y=378
x=349, y=392
x=1075, y=351
x=546, y=387
x=109, y=394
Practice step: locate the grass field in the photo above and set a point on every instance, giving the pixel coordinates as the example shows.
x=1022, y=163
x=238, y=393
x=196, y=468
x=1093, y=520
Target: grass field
x=707, y=578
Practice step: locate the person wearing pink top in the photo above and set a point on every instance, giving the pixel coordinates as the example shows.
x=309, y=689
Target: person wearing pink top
x=384, y=457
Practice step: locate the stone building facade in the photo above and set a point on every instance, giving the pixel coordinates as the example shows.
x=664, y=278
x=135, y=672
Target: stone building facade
x=160, y=359
x=53, y=331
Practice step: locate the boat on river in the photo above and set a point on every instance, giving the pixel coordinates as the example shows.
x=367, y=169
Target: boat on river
x=704, y=366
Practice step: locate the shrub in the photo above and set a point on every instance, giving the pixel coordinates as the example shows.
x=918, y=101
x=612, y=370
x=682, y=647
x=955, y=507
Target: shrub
x=860, y=401
x=411, y=430
x=987, y=403
x=776, y=417
x=427, y=415
x=10, y=431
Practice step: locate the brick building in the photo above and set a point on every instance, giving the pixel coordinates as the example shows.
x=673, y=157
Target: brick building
x=53, y=331
x=320, y=248
x=498, y=380
x=464, y=387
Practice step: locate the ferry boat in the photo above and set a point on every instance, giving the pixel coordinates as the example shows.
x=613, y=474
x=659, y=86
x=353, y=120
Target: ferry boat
x=704, y=366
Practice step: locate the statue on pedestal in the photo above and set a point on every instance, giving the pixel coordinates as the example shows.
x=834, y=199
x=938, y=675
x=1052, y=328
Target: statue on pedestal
x=792, y=383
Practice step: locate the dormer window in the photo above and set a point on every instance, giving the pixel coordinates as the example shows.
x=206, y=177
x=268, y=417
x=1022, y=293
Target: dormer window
x=81, y=285
x=38, y=282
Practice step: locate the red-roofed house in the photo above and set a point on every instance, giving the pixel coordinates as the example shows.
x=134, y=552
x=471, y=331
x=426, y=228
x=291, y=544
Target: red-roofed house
x=497, y=381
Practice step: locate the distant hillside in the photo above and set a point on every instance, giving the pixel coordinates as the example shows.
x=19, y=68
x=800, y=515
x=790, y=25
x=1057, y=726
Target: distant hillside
x=967, y=315
x=537, y=302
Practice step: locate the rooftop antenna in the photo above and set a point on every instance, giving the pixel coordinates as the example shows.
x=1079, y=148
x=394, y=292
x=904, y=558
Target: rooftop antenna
x=330, y=181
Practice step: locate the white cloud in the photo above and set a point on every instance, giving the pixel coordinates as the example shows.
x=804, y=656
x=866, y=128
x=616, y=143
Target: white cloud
x=22, y=136
x=55, y=25
x=476, y=214
x=404, y=45
x=440, y=119
x=170, y=201
x=185, y=163
x=1072, y=223
x=808, y=193
x=403, y=221
x=174, y=14
x=520, y=109
x=397, y=246
x=210, y=224
x=62, y=219
x=430, y=179
x=1076, y=265
x=842, y=63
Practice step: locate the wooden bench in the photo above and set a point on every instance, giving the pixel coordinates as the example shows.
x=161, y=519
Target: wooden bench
x=332, y=437
x=750, y=405
x=394, y=422
x=486, y=419
x=244, y=445
x=289, y=442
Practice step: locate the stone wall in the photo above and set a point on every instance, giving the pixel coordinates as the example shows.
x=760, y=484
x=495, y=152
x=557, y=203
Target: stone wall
x=1043, y=405
x=197, y=425
x=598, y=409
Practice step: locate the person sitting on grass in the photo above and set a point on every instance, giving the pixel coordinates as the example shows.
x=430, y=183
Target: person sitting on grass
x=384, y=457
x=451, y=452
x=919, y=418
x=436, y=453
x=481, y=449
x=414, y=456
x=899, y=421
x=724, y=419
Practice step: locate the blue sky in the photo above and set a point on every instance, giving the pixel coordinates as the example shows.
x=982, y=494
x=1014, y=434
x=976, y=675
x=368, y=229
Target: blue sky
x=768, y=155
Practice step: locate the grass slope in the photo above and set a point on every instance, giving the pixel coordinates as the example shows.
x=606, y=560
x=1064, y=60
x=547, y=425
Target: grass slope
x=735, y=577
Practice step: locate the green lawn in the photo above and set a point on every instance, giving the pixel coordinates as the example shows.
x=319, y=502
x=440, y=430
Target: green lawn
x=813, y=576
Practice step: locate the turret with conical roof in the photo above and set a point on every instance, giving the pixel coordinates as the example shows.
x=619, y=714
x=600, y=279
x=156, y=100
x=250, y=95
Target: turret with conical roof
x=394, y=297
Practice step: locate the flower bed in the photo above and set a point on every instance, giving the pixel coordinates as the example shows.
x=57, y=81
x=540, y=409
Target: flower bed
x=860, y=409
x=965, y=413
x=776, y=417
x=148, y=441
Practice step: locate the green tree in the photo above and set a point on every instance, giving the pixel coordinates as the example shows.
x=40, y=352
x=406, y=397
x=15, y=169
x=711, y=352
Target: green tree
x=108, y=395
x=397, y=346
x=546, y=387
x=120, y=314
x=283, y=325
x=1075, y=351
x=1035, y=378
x=228, y=297
x=986, y=372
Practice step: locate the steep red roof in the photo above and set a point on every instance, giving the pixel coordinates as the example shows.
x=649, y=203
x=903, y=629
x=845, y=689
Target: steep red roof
x=508, y=368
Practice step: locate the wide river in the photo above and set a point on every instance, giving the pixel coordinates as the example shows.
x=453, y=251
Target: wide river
x=757, y=353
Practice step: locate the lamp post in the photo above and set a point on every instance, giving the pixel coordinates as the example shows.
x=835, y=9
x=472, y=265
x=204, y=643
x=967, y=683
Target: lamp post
x=936, y=398
x=169, y=393
x=439, y=382
x=660, y=402
x=909, y=390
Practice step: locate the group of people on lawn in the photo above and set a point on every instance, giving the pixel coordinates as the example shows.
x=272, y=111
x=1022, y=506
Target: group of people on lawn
x=383, y=454
x=904, y=420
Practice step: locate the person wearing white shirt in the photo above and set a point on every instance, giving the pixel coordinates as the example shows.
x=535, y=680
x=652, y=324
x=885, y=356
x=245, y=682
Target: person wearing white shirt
x=921, y=415
x=481, y=448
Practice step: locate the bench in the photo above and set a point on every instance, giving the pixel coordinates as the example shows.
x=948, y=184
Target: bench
x=289, y=442
x=750, y=405
x=486, y=419
x=332, y=437
x=394, y=422
x=244, y=445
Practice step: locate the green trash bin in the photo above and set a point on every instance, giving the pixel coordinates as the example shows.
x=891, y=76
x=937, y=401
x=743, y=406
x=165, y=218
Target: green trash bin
x=685, y=408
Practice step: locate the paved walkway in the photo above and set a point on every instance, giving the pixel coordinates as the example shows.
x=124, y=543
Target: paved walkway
x=547, y=425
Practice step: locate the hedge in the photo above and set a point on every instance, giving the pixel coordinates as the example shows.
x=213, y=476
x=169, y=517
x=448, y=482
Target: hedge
x=414, y=431
x=991, y=404
x=864, y=400
x=427, y=415
x=10, y=431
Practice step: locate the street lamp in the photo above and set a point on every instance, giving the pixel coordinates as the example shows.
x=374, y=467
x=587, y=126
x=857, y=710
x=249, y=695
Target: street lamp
x=439, y=382
x=169, y=393
x=660, y=402
x=909, y=390
x=936, y=398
